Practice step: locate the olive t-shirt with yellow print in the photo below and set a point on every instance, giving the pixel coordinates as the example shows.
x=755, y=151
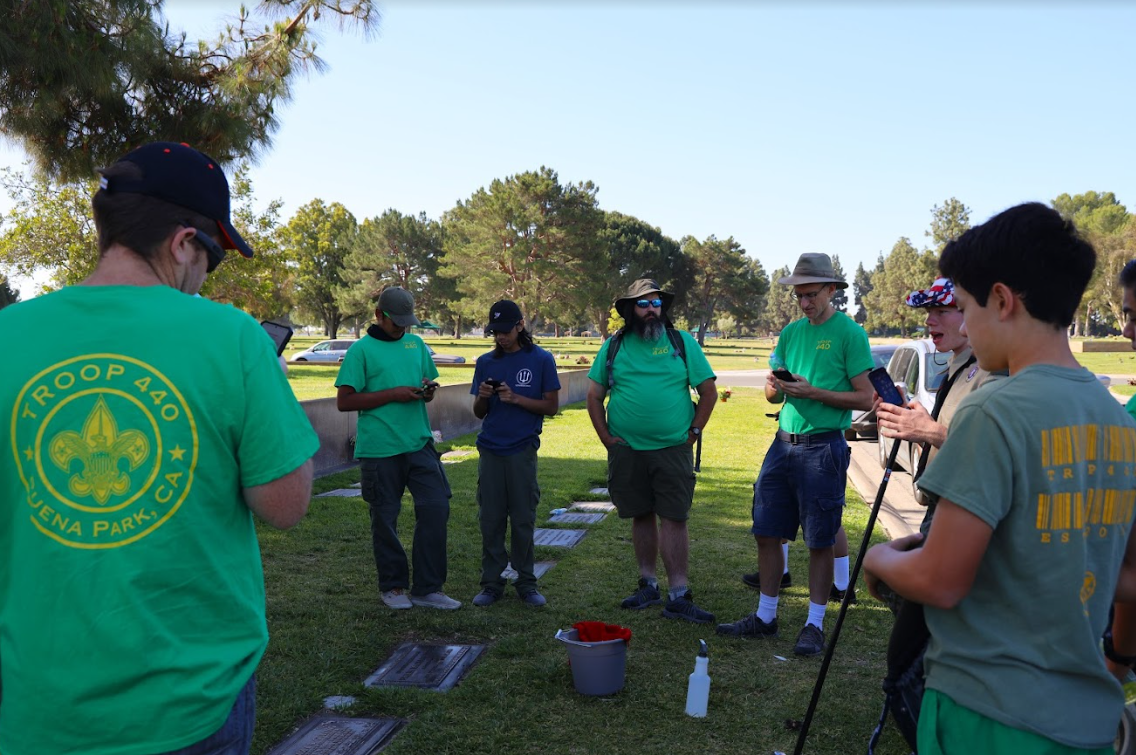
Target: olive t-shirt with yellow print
x=131, y=589
x=1047, y=458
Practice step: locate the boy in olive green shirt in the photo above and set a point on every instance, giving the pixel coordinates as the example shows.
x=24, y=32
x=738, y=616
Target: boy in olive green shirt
x=1021, y=563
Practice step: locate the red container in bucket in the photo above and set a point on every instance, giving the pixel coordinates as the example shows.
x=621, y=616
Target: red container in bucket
x=597, y=654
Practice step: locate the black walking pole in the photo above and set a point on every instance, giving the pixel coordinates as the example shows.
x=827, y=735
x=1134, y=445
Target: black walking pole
x=844, y=605
x=698, y=454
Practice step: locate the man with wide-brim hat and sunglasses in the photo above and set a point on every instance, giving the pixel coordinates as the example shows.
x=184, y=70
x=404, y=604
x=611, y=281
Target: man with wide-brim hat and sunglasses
x=804, y=474
x=649, y=428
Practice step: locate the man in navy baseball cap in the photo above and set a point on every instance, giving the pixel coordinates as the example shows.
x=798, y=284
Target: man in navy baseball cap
x=179, y=175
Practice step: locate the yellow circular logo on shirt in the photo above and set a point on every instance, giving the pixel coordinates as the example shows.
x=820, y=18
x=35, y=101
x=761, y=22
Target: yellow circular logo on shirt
x=106, y=448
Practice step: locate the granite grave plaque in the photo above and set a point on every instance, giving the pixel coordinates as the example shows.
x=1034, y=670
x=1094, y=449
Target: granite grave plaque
x=576, y=518
x=558, y=538
x=604, y=506
x=432, y=667
x=539, y=570
x=598, y=491
x=337, y=735
x=342, y=493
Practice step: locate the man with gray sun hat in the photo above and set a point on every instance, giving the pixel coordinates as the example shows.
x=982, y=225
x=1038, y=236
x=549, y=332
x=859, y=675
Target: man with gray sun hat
x=823, y=361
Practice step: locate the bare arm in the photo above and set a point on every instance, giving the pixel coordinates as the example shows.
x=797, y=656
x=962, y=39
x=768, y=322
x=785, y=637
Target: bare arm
x=707, y=397
x=912, y=423
x=347, y=399
x=773, y=394
x=860, y=397
x=941, y=573
x=284, y=501
x=598, y=414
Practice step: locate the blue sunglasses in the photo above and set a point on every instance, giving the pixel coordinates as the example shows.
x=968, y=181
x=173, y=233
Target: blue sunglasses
x=644, y=303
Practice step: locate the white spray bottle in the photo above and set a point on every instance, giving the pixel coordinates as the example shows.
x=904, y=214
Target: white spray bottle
x=698, y=690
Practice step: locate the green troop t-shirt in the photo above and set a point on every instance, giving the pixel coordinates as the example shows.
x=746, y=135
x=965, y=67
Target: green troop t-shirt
x=131, y=590
x=1049, y=459
x=372, y=365
x=828, y=355
x=1130, y=407
x=649, y=405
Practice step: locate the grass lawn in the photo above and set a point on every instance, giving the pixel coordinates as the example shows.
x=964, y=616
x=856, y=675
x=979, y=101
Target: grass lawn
x=329, y=630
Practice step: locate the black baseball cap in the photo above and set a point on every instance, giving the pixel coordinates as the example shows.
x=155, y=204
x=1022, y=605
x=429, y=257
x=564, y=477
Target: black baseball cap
x=179, y=174
x=503, y=316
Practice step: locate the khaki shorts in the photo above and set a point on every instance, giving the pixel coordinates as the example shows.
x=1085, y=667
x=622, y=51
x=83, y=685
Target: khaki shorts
x=657, y=482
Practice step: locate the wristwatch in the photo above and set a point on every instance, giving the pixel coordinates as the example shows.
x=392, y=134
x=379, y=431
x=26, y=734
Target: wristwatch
x=697, y=431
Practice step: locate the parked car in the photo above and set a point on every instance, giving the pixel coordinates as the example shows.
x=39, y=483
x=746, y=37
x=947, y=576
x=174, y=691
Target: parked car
x=325, y=351
x=921, y=370
x=444, y=358
x=864, y=422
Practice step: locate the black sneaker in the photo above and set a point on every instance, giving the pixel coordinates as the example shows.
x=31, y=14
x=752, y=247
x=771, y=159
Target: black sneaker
x=754, y=580
x=646, y=595
x=683, y=607
x=810, y=641
x=750, y=626
x=837, y=596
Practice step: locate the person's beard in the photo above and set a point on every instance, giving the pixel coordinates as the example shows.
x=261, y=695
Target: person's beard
x=648, y=327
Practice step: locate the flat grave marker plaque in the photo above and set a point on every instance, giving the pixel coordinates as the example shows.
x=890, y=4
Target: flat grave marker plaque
x=604, y=506
x=558, y=538
x=539, y=570
x=337, y=735
x=576, y=518
x=599, y=491
x=342, y=493
x=433, y=667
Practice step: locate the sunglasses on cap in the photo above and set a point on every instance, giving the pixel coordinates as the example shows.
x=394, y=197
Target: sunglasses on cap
x=212, y=249
x=644, y=303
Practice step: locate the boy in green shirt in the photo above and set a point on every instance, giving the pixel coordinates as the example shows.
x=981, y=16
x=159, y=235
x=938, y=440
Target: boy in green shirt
x=1021, y=562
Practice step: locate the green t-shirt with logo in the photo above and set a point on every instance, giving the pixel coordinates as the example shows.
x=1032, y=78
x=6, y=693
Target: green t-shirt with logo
x=1048, y=459
x=131, y=590
x=373, y=365
x=649, y=405
x=828, y=355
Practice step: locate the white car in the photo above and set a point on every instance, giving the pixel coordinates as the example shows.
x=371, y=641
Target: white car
x=325, y=351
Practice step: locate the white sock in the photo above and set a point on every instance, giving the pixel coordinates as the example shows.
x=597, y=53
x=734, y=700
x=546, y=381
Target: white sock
x=785, y=553
x=840, y=572
x=816, y=614
x=766, y=608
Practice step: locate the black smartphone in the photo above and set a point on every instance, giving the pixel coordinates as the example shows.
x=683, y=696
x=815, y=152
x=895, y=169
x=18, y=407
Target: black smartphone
x=423, y=388
x=885, y=386
x=281, y=334
x=784, y=375
x=493, y=383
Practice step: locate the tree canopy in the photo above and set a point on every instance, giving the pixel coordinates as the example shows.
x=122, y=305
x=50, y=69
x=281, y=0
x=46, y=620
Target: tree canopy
x=83, y=81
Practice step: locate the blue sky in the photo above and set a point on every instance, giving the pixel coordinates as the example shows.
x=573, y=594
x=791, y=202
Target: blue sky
x=792, y=127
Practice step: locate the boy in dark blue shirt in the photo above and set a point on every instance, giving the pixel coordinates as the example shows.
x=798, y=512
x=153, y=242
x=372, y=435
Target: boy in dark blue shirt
x=516, y=386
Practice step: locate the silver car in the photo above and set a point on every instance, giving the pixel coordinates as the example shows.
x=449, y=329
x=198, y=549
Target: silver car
x=921, y=370
x=325, y=351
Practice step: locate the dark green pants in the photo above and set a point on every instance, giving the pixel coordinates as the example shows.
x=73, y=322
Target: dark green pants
x=507, y=491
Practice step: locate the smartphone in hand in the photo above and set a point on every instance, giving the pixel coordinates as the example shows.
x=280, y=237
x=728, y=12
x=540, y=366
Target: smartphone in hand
x=885, y=387
x=281, y=334
x=493, y=383
x=784, y=376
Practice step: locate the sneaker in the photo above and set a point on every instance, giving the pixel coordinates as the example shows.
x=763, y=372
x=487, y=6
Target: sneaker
x=645, y=596
x=683, y=607
x=810, y=641
x=486, y=597
x=436, y=600
x=534, y=599
x=396, y=599
x=750, y=626
x=754, y=580
x=837, y=596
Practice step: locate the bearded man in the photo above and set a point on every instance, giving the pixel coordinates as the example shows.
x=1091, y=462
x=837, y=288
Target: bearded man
x=649, y=427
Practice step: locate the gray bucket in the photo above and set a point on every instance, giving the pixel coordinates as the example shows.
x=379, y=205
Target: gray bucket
x=598, y=668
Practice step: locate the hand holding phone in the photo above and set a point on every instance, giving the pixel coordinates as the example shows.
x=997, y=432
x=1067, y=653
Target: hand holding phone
x=493, y=383
x=885, y=387
x=784, y=376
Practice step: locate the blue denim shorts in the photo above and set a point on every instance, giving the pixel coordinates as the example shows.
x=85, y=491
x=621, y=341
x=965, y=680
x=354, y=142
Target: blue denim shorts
x=801, y=487
x=235, y=735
